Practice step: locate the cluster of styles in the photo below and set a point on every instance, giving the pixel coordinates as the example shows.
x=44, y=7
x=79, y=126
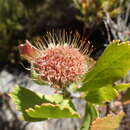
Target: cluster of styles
x=58, y=59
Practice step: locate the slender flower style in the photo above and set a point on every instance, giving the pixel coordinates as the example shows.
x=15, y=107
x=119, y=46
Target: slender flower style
x=58, y=59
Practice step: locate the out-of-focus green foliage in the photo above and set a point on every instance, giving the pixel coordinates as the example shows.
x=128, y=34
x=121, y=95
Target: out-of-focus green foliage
x=27, y=18
x=24, y=17
x=92, y=10
x=12, y=14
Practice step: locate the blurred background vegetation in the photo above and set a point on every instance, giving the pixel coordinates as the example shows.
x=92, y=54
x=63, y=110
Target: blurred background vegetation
x=97, y=20
x=26, y=19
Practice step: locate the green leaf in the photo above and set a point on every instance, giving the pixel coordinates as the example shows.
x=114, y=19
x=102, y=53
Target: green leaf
x=54, y=98
x=90, y=115
x=101, y=95
x=25, y=98
x=111, y=66
x=73, y=87
x=110, y=122
x=48, y=110
x=37, y=79
x=122, y=87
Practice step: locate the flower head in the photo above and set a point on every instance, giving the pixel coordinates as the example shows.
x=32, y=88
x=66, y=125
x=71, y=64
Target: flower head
x=60, y=60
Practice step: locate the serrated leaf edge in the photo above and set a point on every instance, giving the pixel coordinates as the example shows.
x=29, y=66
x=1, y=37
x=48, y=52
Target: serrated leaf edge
x=118, y=42
x=54, y=106
x=15, y=101
x=12, y=95
x=103, y=118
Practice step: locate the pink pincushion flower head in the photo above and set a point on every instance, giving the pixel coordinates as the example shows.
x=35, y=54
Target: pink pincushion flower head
x=59, y=60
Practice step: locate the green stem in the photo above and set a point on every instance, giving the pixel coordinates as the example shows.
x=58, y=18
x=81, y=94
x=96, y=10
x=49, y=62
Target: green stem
x=90, y=115
x=65, y=92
